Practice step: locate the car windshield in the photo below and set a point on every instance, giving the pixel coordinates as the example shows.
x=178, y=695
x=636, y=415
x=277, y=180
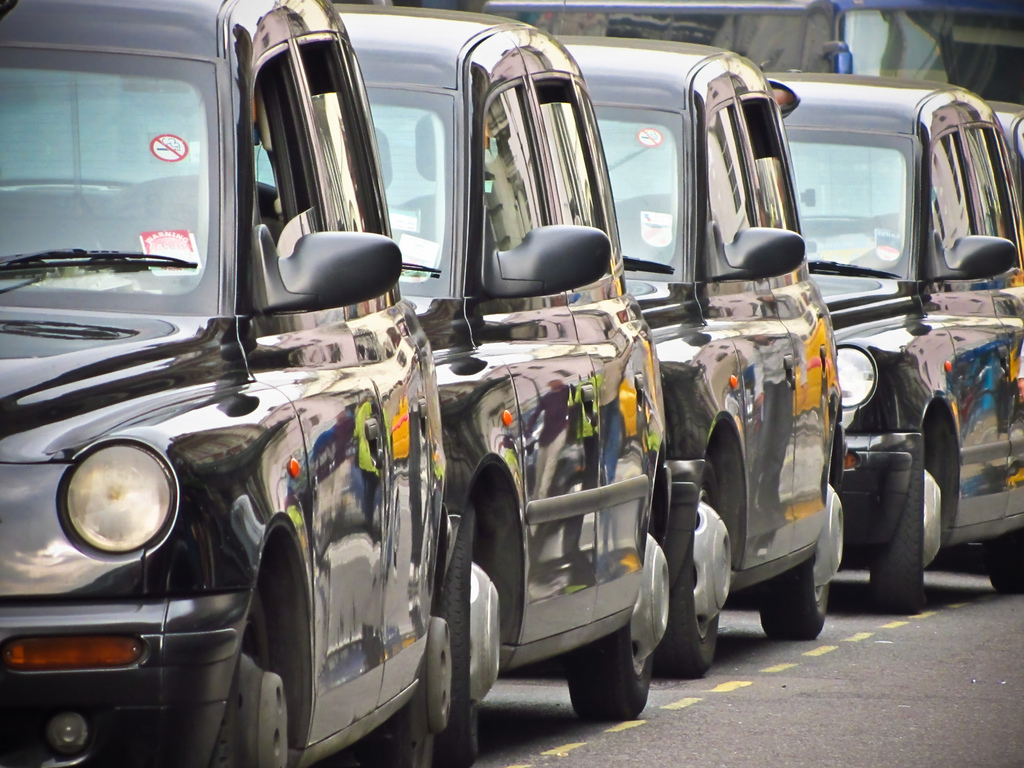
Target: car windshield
x=106, y=161
x=984, y=53
x=642, y=151
x=854, y=197
x=415, y=139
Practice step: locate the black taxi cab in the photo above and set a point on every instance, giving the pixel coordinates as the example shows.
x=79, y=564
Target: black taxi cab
x=550, y=391
x=700, y=176
x=221, y=475
x=913, y=232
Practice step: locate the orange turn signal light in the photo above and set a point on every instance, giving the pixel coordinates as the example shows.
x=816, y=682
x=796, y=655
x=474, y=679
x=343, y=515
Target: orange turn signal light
x=733, y=381
x=850, y=461
x=948, y=366
x=294, y=468
x=506, y=417
x=35, y=654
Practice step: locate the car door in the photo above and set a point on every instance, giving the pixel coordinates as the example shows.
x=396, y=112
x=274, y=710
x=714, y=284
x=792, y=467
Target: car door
x=748, y=308
x=802, y=311
x=553, y=379
x=980, y=368
x=612, y=332
x=339, y=409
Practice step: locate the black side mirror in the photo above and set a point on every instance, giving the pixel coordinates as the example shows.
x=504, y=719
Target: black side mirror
x=327, y=270
x=548, y=260
x=976, y=257
x=761, y=252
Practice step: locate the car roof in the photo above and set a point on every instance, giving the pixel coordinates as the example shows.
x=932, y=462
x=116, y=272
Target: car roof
x=1002, y=7
x=870, y=103
x=423, y=47
x=641, y=72
x=186, y=27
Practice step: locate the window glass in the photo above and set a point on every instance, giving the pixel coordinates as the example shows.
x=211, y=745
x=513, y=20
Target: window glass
x=950, y=217
x=641, y=150
x=854, y=198
x=771, y=182
x=725, y=176
x=415, y=140
x=510, y=191
x=574, y=195
x=991, y=196
x=107, y=153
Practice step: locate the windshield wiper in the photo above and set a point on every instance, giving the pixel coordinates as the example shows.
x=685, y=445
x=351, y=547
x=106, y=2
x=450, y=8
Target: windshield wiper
x=817, y=267
x=414, y=268
x=643, y=265
x=68, y=257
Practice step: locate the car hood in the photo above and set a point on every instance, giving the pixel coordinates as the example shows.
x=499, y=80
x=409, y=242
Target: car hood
x=856, y=300
x=65, y=382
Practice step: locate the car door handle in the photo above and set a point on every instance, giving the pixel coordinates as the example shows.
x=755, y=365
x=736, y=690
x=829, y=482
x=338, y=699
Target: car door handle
x=421, y=409
x=639, y=384
x=372, y=431
x=787, y=363
x=587, y=396
x=1004, y=363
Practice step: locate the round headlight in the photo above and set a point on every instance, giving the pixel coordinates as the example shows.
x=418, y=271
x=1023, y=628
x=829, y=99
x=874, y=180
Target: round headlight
x=857, y=376
x=119, y=498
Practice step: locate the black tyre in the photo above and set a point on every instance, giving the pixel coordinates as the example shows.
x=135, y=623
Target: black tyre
x=688, y=648
x=794, y=608
x=456, y=746
x=403, y=741
x=606, y=681
x=254, y=727
x=897, y=571
x=1004, y=558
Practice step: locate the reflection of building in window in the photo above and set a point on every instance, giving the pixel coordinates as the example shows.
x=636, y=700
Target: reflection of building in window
x=949, y=205
x=575, y=197
x=509, y=195
x=725, y=180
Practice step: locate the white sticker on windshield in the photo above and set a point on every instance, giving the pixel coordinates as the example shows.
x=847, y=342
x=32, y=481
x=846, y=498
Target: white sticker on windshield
x=656, y=228
x=179, y=243
x=887, y=245
x=649, y=137
x=418, y=251
x=407, y=221
x=169, y=148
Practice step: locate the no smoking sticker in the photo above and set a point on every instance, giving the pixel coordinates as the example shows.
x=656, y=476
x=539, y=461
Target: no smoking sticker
x=649, y=137
x=169, y=148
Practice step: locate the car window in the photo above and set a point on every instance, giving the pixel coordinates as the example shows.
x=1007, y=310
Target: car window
x=990, y=194
x=726, y=184
x=950, y=216
x=510, y=189
x=775, y=206
x=853, y=194
x=107, y=153
x=642, y=152
x=573, y=191
x=415, y=139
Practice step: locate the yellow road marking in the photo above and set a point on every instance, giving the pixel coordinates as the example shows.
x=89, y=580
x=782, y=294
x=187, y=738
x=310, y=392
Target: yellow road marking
x=925, y=615
x=779, y=668
x=894, y=624
x=624, y=726
x=726, y=687
x=956, y=605
x=681, y=704
x=858, y=637
x=822, y=650
x=525, y=765
x=563, y=750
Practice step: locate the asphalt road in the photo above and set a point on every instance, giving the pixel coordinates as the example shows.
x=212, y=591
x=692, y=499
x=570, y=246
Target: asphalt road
x=942, y=689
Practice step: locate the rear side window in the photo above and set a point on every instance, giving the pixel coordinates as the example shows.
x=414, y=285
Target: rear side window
x=950, y=217
x=510, y=188
x=775, y=206
x=574, y=196
x=991, y=197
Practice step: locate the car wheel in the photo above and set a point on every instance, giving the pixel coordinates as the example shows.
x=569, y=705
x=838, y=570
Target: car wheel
x=456, y=746
x=1004, y=558
x=606, y=679
x=795, y=607
x=254, y=727
x=404, y=741
x=688, y=647
x=897, y=571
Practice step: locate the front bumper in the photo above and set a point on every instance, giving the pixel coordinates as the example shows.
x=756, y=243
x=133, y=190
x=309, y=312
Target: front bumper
x=163, y=711
x=876, y=482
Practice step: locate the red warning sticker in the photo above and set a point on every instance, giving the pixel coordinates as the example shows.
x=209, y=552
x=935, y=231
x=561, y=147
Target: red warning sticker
x=170, y=242
x=169, y=148
x=649, y=137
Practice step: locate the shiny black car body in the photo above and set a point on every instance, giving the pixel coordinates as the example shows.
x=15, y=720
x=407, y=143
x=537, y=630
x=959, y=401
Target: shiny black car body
x=916, y=248
x=700, y=177
x=221, y=474
x=550, y=392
